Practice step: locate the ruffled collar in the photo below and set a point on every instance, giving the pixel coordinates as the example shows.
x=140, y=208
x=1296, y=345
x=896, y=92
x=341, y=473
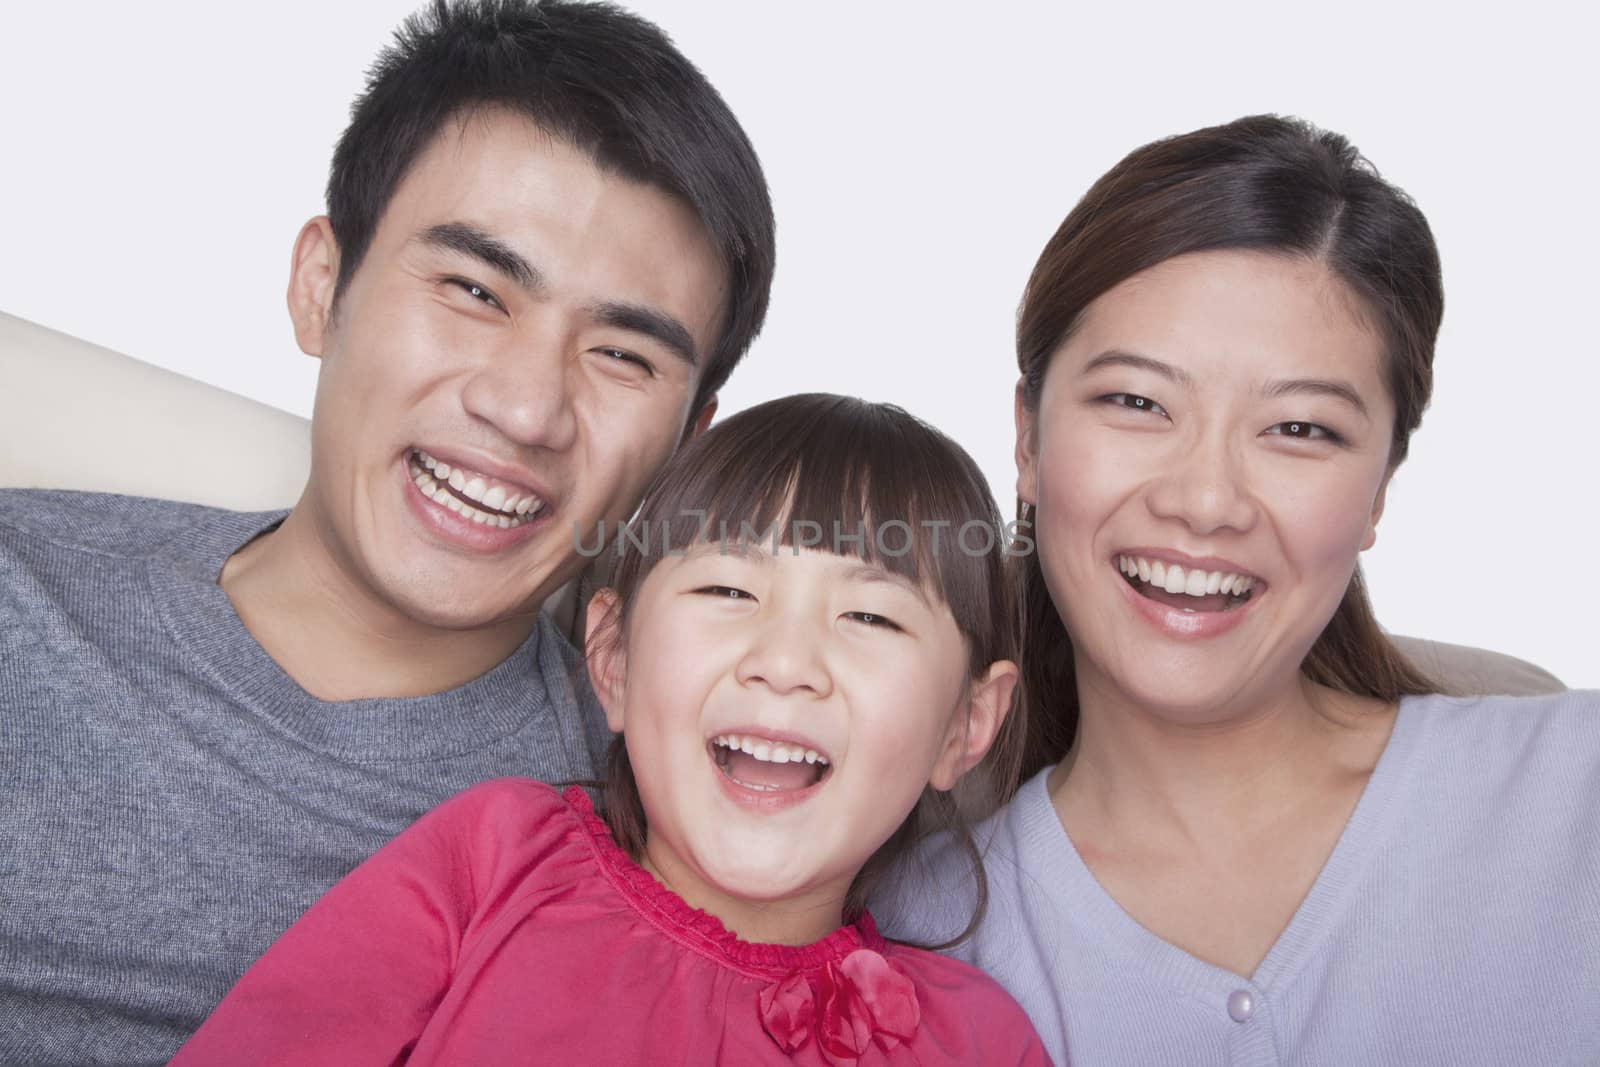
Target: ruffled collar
x=840, y=994
x=704, y=932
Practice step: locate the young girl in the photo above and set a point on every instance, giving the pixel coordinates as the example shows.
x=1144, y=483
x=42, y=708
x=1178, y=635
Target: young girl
x=805, y=648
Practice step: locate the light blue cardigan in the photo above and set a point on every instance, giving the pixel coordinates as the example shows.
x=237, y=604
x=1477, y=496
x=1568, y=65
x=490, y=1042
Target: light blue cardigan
x=1457, y=921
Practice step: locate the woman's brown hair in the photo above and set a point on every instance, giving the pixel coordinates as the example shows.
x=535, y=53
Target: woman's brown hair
x=1261, y=183
x=849, y=477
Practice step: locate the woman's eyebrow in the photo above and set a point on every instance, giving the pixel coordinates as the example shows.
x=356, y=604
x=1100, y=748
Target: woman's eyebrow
x=1117, y=358
x=1338, y=390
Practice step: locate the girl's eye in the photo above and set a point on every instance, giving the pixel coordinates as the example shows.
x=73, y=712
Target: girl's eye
x=622, y=355
x=1305, y=431
x=726, y=591
x=1134, y=401
x=477, y=292
x=872, y=618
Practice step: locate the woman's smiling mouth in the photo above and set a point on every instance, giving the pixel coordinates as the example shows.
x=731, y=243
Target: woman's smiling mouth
x=1188, y=589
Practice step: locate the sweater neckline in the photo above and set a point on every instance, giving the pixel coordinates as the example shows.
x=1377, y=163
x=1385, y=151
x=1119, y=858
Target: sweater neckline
x=202, y=621
x=1081, y=894
x=702, y=931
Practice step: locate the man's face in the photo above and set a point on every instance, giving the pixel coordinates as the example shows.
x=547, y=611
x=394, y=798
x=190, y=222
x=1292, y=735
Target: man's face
x=514, y=359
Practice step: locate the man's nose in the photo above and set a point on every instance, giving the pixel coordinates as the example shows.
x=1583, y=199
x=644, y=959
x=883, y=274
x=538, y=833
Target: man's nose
x=524, y=389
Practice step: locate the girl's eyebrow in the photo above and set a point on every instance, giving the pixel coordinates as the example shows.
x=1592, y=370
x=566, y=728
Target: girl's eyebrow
x=870, y=572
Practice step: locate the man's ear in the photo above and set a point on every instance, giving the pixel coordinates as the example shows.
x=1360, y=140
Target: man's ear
x=1027, y=451
x=971, y=734
x=701, y=421
x=313, y=276
x=1370, y=538
x=604, y=653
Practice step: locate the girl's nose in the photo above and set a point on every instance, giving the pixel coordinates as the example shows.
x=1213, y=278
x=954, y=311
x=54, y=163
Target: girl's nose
x=785, y=656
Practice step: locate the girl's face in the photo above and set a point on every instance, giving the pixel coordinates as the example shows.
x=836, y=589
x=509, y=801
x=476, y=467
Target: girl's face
x=1217, y=423
x=783, y=712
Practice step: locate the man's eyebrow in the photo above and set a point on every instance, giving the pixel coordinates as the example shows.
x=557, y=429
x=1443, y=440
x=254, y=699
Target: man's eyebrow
x=469, y=240
x=663, y=328
x=1116, y=358
x=1318, y=387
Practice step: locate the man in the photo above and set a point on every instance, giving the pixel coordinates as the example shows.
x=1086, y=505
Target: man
x=548, y=242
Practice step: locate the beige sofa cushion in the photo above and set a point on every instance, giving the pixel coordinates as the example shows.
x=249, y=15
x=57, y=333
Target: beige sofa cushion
x=117, y=425
x=133, y=428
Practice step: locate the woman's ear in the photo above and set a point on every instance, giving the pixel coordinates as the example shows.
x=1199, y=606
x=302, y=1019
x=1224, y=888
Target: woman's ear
x=1027, y=450
x=1371, y=537
x=607, y=659
x=988, y=703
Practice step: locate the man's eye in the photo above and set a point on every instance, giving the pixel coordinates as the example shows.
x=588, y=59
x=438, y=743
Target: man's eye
x=872, y=618
x=1134, y=401
x=1305, y=431
x=477, y=292
x=622, y=355
x=725, y=591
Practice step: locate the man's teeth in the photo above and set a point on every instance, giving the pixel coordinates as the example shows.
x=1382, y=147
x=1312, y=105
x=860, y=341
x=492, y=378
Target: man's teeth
x=769, y=751
x=1174, y=579
x=502, y=507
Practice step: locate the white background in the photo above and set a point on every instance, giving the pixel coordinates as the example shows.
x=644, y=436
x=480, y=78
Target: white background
x=158, y=159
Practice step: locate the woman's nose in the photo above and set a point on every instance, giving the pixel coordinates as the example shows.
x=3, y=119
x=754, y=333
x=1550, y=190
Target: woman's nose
x=1205, y=486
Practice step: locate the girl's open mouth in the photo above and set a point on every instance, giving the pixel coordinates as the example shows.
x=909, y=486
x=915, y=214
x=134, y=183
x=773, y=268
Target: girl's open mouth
x=768, y=766
x=1188, y=590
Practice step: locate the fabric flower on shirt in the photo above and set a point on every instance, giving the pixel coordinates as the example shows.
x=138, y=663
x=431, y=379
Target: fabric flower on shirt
x=788, y=1009
x=851, y=1004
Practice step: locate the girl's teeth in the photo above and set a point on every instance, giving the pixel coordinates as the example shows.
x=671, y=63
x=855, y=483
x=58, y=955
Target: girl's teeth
x=1175, y=579
x=769, y=751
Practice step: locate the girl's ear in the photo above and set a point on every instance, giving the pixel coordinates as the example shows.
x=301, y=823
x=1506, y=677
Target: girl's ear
x=607, y=659
x=971, y=734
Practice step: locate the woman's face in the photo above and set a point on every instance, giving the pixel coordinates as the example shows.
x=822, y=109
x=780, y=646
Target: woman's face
x=1218, y=423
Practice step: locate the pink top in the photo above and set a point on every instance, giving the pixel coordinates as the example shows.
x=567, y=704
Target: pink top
x=507, y=926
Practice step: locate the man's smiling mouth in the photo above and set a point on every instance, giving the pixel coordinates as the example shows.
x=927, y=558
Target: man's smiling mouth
x=476, y=497
x=1187, y=589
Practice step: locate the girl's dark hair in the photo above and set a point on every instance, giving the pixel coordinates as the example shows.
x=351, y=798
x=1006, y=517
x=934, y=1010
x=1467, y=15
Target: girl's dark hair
x=1261, y=183
x=602, y=79
x=854, y=478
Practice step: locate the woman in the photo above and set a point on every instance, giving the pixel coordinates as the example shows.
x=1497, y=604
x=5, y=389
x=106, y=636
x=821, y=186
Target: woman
x=1256, y=834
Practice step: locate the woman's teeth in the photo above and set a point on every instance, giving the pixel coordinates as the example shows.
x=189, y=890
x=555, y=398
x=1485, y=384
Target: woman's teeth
x=769, y=751
x=1175, y=579
x=470, y=495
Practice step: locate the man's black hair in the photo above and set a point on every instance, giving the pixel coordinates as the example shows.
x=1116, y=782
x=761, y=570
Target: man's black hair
x=604, y=80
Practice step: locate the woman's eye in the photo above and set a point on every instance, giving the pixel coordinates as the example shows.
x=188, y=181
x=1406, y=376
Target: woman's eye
x=727, y=592
x=1305, y=431
x=872, y=618
x=622, y=355
x=477, y=292
x=1134, y=401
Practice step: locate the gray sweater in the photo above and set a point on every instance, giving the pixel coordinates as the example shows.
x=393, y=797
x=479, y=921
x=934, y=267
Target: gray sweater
x=173, y=800
x=1457, y=922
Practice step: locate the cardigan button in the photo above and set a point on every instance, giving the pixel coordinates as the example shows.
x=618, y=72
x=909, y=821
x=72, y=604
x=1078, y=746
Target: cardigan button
x=1241, y=1005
